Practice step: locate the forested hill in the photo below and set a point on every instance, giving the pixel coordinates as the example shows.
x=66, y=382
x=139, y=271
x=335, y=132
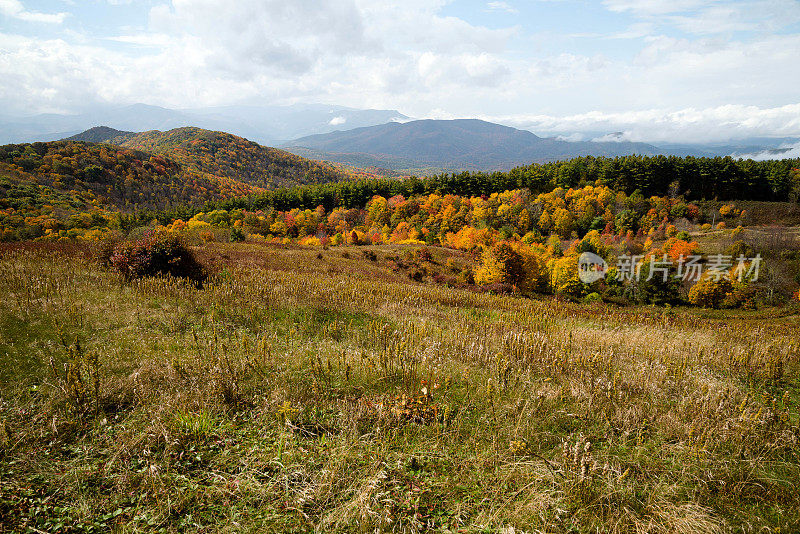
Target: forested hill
x=224, y=154
x=104, y=175
x=99, y=134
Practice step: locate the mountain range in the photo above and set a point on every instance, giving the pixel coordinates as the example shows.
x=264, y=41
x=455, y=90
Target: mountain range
x=381, y=138
x=454, y=144
x=269, y=125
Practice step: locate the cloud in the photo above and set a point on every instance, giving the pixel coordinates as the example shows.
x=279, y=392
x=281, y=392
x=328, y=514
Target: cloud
x=784, y=152
x=571, y=138
x=143, y=39
x=15, y=9
x=675, y=80
x=614, y=137
x=653, y=7
x=707, y=18
x=657, y=125
x=337, y=121
x=501, y=6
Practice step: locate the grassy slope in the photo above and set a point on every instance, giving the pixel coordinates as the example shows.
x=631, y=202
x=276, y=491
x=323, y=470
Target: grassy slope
x=287, y=396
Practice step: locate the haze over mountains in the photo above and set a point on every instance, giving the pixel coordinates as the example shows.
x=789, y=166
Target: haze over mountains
x=454, y=144
x=383, y=139
x=266, y=125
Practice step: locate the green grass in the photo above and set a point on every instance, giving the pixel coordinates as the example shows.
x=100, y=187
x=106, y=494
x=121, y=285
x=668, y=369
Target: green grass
x=286, y=397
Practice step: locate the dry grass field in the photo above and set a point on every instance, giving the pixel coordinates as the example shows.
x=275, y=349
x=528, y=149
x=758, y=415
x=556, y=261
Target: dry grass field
x=318, y=390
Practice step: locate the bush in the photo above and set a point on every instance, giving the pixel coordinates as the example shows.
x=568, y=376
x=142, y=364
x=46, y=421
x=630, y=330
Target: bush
x=710, y=293
x=740, y=248
x=237, y=236
x=498, y=288
x=157, y=253
x=592, y=298
x=102, y=251
x=424, y=254
x=513, y=264
x=656, y=290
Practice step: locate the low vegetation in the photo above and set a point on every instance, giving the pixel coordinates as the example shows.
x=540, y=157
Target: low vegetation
x=304, y=389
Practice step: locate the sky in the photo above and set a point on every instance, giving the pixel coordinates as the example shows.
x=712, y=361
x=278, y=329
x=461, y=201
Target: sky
x=656, y=70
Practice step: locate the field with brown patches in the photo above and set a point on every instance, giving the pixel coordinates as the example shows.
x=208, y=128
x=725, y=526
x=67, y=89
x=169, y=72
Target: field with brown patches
x=309, y=390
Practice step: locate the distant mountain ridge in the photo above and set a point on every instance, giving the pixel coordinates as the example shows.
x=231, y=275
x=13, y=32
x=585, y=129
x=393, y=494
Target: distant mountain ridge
x=457, y=144
x=268, y=125
x=99, y=134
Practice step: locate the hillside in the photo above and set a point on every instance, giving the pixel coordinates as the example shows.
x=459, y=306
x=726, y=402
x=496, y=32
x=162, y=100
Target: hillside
x=274, y=399
x=115, y=176
x=456, y=145
x=227, y=155
x=49, y=185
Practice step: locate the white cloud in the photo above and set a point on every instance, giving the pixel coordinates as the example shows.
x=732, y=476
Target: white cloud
x=653, y=7
x=411, y=57
x=784, y=152
x=658, y=125
x=337, y=121
x=15, y=9
x=614, y=137
x=571, y=138
x=501, y=6
x=144, y=39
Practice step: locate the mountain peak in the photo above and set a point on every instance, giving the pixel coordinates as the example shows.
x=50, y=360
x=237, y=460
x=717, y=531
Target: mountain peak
x=98, y=134
x=456, y=144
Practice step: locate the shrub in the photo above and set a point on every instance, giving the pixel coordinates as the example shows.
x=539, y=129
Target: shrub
x=103, y=250
x=654, y=289
x=157, y=253
x=592, y=298
x=575, y=289
x=742, y=296
x=513, y=264
x=237, y=236
x=416, y=275
x=710, y=293
x=739, y=248
x=498, y=288
x=424, y=254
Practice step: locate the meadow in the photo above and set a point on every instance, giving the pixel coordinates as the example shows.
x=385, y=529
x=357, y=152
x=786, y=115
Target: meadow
x=303, y=389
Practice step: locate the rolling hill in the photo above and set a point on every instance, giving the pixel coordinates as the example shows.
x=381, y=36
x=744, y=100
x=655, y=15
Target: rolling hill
x=222, y=154
x=95, y=175
x=77, y=184
x=454, y=144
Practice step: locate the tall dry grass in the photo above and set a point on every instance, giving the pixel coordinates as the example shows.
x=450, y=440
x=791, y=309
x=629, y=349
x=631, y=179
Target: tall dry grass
x=296, y=393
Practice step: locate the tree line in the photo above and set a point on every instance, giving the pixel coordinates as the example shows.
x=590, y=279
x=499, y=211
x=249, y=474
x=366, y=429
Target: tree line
x=721, y=178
